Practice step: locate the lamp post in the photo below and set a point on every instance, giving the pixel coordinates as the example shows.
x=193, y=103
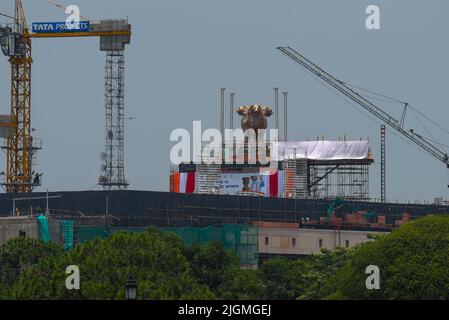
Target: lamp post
x=131, y=288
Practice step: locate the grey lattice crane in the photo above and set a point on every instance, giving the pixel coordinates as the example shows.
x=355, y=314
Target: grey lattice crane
x=367, y=105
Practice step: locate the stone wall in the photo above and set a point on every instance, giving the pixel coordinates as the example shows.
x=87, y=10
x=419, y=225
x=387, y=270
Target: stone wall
x=12, y=227
x=303, y=241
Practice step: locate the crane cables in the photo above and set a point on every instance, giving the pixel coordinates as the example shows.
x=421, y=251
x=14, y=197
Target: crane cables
x=416, y=113
x=62, y=7
x=7, y=16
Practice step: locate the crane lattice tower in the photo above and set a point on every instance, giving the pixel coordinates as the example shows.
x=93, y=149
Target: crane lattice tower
x=20, y=146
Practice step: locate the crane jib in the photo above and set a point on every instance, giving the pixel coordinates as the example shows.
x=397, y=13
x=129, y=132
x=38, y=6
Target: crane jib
x=367, y=105
x=56, y=27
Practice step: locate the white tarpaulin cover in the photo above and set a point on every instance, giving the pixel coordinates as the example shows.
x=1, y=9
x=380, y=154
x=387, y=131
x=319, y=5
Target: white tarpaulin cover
x=320, y=150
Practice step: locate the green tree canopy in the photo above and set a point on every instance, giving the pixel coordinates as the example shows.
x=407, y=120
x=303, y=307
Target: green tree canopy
x=301, y=278
x=154, y=258
x=211, y=264
x=413, y=262
x=20, y=254
x=164, y=267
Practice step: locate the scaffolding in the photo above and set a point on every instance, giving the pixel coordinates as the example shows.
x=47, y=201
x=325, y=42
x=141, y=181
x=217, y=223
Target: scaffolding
x=296, y=177
x=68, y=229
x=353, y=182
x=302, y=178
x=207, y=178
x=289, y=179
x=306, y=178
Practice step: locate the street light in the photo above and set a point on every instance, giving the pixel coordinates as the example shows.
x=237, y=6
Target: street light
x=131, y=288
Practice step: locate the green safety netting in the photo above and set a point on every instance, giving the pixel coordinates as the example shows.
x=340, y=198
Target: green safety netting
x=337, y=202
x=44, y=231
x=67, y=234
x=132, y=229
x=240, y=238
x=369, y=214
x=86, y=233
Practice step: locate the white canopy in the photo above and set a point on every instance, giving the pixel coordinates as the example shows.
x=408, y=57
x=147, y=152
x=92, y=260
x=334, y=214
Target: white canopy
x=320, y=150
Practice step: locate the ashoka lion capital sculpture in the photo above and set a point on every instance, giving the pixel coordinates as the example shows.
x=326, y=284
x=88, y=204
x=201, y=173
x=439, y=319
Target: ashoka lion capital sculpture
x=254, y=116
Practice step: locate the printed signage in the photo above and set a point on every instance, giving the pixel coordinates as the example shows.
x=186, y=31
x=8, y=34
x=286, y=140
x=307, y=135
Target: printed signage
x=55, y=27
x=234, y=183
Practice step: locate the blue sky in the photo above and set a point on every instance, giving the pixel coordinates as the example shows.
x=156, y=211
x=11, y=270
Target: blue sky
x=183, y=52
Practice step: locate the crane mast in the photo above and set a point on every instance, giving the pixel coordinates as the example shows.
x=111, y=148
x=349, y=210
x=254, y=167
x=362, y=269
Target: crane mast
x=19, y=146
x=366, y=104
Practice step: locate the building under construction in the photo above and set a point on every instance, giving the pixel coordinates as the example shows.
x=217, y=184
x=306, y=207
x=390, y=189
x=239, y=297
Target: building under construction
x=127, y=208
x=315, y=185
x=320, y=169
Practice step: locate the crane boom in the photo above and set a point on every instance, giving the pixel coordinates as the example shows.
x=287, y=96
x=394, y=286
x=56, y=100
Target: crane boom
x=19, y=16
x=367, y=105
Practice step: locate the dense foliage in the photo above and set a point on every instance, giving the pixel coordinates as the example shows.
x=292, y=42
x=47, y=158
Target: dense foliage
x=20, y=254
x=412, y=262
x=154, y=258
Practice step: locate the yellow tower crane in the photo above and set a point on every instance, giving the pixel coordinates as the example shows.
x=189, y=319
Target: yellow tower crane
x=15, y=41
x=19, y=145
